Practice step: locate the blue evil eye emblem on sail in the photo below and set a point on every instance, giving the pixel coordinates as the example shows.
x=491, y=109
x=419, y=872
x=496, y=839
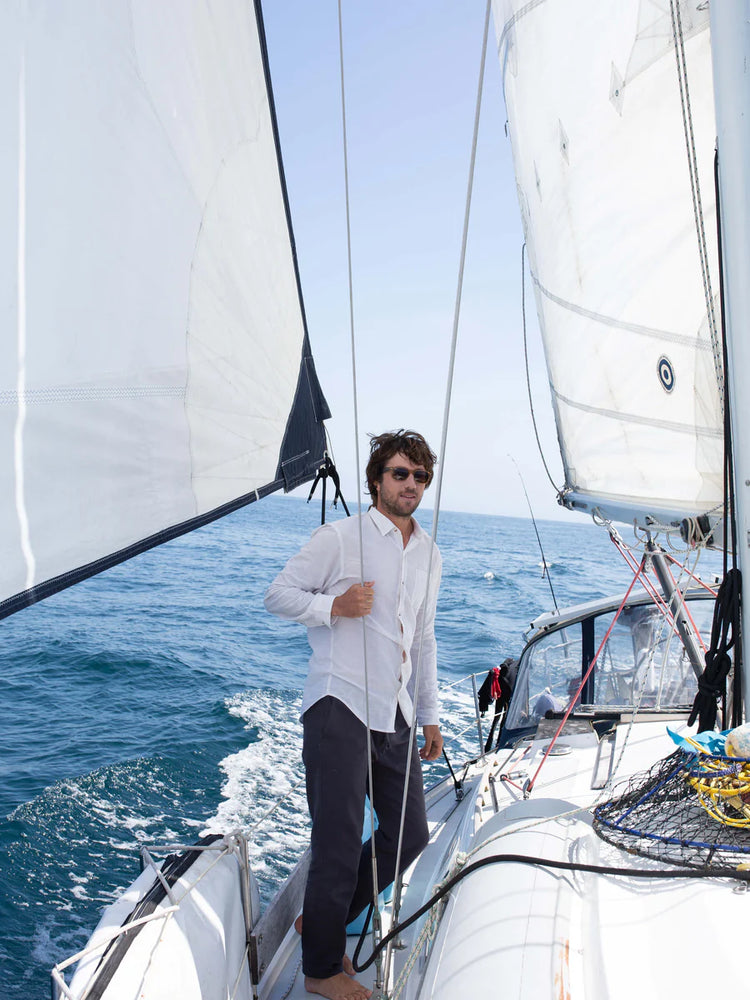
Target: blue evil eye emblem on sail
x=666, y=373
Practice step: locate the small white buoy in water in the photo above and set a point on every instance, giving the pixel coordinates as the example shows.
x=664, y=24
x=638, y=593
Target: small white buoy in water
x=738, y=741
x=489, y=575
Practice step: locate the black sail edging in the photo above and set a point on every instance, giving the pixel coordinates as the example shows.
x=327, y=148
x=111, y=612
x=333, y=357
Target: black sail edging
x=302, y=449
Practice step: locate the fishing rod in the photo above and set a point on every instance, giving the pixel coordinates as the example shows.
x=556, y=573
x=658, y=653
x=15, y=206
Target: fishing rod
x=546, y=570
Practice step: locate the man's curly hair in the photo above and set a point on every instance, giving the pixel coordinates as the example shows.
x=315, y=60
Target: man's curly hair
x=384, y=446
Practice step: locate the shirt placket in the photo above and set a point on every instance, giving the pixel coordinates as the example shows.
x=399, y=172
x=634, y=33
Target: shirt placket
x=401, y=609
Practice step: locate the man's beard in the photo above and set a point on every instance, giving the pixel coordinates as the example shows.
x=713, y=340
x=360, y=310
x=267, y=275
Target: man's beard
x=401, y=507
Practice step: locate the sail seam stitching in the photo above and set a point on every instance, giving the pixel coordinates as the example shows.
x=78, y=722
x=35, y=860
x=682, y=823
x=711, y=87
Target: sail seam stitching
x=634, y=418
x=645, y=331
x=85, y=394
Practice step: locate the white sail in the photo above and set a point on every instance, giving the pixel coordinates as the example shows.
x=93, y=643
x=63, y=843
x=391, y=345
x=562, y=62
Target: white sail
x=155, y=366
x=596, y=125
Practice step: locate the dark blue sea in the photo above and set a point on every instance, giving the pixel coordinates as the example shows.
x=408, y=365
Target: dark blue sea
x=159, y=700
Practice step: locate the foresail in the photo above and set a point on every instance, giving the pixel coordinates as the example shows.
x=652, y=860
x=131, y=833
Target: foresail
x=156, y=369
x=596, y=122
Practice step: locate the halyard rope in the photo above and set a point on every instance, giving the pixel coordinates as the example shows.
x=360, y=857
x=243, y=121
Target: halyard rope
x=687, y=121
x=376, y=912
x=556, y=488
x=441, y=466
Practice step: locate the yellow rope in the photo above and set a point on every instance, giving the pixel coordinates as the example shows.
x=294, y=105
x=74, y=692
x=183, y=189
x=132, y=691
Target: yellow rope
x=721, y=794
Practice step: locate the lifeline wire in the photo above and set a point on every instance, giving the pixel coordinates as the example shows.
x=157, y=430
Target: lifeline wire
x=443, y=444
x=376, y=915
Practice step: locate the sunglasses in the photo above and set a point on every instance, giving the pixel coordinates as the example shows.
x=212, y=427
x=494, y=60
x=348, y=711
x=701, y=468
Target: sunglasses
x=400, y=473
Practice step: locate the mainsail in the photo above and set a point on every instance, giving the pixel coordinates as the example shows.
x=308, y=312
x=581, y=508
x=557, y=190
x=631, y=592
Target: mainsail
x=156, y=368
x=621, y=236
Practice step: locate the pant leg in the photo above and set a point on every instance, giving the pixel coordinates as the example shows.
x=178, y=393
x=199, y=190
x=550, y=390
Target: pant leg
x=335, y=756
x=389, y=767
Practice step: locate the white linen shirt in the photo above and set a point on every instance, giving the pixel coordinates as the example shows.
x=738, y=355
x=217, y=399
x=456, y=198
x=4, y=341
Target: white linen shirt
x=326, y=567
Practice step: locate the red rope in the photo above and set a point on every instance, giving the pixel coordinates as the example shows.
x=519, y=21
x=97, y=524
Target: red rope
x=686, y=609
x=701, y=583
x=657, y=598
x=648, y=586
x=574, y=699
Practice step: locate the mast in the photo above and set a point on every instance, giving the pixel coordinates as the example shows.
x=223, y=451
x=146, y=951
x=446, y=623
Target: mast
x=730, y=44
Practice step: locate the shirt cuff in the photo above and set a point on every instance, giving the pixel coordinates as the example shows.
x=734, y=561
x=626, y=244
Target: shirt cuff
x=320, y=608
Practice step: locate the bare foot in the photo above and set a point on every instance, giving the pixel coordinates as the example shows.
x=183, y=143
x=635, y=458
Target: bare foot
x=339, y=987
x=345, y=961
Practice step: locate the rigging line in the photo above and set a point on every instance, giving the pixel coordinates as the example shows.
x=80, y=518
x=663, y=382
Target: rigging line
x=376, y=921
x=528, y=787
x=693, y=573
x=665, y=620
x=647, y=585
x=536, y=530
x=681, y=605
x=730, y=522
x=687, y=123
x=282, y=799
x=443, y=444
x=669, y=616
x=661, y=602
x=730, y=519
x=528, y=377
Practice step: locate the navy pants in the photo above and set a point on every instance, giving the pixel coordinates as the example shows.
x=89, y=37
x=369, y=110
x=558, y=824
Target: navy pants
x=339, y=883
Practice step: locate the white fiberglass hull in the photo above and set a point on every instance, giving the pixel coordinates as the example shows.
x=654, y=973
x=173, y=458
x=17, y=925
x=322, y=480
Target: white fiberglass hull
x=187, y=940
x=524, y=931
x=508, y=930
x=518, y=930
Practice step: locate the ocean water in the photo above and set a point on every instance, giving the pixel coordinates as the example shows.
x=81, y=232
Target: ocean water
x=159, y=700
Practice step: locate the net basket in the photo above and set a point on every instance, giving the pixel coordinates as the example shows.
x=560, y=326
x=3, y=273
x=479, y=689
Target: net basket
x=688, y=809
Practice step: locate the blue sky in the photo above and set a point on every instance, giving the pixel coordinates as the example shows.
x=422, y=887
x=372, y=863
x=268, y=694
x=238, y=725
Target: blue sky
x=411, y=72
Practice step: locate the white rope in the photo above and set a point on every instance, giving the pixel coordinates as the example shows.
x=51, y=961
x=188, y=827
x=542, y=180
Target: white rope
x=376, y=923
x=282, y=800
x=290, y=987
x=427, y=932
x=439, y=479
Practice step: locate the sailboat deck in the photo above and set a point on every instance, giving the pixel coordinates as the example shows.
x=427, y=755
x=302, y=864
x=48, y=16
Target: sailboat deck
x=538, y=932
x=284, y=979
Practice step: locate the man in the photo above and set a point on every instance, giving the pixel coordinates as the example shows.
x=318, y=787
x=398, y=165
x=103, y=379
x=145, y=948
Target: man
x=370, y=620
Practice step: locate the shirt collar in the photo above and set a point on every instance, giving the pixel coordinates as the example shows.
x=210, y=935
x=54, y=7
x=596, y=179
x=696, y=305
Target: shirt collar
x=385, y=525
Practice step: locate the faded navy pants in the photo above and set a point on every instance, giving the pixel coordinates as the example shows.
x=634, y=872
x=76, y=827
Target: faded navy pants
x=339, y=882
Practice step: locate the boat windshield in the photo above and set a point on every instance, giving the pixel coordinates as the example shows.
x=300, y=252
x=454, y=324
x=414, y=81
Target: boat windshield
x=643, y=664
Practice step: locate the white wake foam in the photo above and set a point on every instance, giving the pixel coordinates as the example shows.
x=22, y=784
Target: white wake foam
x=266, y=777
